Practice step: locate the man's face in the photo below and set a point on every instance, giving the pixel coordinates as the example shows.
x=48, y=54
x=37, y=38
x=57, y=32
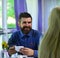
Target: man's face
x=25, y=25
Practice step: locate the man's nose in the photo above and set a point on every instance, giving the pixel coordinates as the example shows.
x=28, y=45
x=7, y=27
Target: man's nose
x=27, y=24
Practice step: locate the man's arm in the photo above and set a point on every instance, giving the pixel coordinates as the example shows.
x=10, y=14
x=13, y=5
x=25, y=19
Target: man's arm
x=35, y=53
x=13, y=39
x=37, y=41
x=11, y=44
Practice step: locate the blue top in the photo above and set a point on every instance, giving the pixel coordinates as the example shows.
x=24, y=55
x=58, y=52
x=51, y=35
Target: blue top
x=30, y=40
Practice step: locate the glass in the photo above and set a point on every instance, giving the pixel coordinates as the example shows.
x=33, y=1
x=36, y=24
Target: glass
x=11, y=23
x=0, y=14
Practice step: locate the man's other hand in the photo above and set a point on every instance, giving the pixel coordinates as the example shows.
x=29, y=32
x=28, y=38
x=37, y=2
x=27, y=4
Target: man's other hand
x=11, y=50
x=27, y=51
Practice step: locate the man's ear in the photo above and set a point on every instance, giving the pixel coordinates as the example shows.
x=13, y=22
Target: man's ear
x=19, y=24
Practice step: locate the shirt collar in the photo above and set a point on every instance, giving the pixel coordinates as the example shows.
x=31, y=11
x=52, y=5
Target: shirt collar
x=29, y=34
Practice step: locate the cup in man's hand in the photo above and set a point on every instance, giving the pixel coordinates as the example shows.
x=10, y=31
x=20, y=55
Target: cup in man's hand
x=17, y=48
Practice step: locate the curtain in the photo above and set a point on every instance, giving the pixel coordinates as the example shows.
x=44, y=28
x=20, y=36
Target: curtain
x=40, y=15
x=34, y=7
x=19, y=6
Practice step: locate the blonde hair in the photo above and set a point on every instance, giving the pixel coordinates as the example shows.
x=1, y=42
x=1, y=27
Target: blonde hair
x=50, y=46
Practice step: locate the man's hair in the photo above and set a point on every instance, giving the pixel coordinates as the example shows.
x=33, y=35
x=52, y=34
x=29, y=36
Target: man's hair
x=24, y=15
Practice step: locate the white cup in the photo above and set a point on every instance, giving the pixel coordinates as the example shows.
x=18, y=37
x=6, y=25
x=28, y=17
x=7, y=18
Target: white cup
x=17, y=48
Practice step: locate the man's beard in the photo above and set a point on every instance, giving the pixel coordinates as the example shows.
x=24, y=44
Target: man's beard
x=26, y=29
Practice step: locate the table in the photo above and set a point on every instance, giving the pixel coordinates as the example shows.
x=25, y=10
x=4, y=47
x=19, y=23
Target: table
x=20, y=56
x=5, y=55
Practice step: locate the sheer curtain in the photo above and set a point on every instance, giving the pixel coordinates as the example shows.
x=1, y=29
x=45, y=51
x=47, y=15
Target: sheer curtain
x=39, y=9
x=47, y=6
x=34, y=8
x=19, y=6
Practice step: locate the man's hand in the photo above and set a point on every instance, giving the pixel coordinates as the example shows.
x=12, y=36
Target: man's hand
x=27, y=51
x=11, y=50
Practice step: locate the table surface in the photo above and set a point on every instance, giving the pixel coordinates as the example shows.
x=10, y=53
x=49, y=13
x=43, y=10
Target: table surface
x=5, y=55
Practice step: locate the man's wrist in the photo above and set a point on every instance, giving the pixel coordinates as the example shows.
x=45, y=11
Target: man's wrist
x=35, y=53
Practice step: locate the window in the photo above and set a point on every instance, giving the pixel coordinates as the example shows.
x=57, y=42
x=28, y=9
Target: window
x=11, y=24
x=0, y=14
x=10, y=14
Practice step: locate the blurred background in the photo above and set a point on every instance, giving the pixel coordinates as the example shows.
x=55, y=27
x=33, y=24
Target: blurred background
x=10, y=10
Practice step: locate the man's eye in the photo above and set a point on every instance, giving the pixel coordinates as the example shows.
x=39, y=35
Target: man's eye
x=29, y=22
x=24, y=22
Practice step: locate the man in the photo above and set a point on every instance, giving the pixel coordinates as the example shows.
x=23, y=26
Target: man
x=26, y=37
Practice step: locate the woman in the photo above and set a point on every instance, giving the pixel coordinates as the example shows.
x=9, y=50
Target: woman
x=50, y=46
